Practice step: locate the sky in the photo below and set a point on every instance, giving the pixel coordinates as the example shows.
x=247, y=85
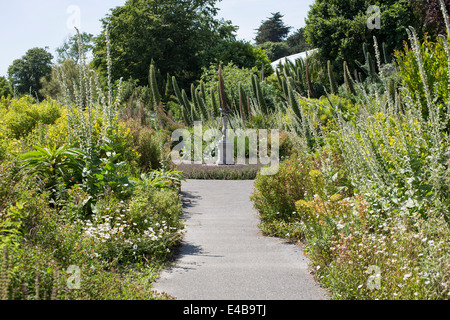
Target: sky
x=26, y=24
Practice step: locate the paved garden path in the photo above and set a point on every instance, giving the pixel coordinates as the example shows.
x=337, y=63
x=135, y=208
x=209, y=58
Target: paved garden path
x=225, y=257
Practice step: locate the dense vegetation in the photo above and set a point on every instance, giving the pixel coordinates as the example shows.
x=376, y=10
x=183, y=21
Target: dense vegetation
x=83, y=189
x=364, y=179
x=367, y=190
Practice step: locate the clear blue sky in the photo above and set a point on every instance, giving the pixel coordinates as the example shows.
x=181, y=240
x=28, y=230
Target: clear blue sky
x=25, y=24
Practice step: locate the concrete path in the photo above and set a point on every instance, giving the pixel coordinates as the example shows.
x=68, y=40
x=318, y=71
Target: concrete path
x=225, y=257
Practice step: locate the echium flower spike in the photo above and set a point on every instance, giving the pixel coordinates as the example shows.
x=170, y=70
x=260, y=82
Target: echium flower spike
x=378, y=56
x=4, y=276
x=63, y=84
x=108, y=63
x=430, y=104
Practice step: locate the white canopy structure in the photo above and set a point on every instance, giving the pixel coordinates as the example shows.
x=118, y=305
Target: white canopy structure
x=292, y=58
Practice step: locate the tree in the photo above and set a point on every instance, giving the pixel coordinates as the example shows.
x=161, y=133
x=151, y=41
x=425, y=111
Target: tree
x=172, y=33
x=241, y=53
x=51, y=86
x=272, y=30
x=275, y=50
x=70, y=50
x=297, y=42
x=5, y=88
x=338, y=28
x=25, y=73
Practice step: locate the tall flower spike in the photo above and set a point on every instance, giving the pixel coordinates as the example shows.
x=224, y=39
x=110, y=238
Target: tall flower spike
x=222, y=94
x=108, y=63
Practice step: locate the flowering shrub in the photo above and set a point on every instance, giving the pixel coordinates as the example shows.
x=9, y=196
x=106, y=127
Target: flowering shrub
x=116, y=235
x=386, y=237
x=275, y=196
x=22, y=116
x=411, y=257
x=435, y=65
x=144, y=229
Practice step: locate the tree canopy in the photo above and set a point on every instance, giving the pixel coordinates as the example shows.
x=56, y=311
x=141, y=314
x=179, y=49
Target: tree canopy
x=25, y=74
x=276, y=50
x=5, y=88
x=272, y=30
x=172, y=33
x=51, y=87
x=297, y=42
x=241, y=53
x=338, y=28
x=70, y=50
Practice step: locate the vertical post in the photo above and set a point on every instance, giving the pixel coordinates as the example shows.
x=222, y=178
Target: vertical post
x=225, y=147
x=224, y=138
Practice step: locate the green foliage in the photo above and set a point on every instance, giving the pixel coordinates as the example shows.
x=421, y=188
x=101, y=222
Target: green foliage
x=54, y=165
x=435, y=63
x=240, y=84
x=21, y=205
x=275, y=50
x=364, y=179
x=179, y=30
x=297, y=42
x=258, y=94
x=5, y=88
x=162, y=179
x=333, y=83
x=202, y=172
x=51, y=86
x=183, y=102
x=309, y=75
x=348, y=80
x=70, y=49
x=105, y=171
x=338, y=28
x=377, y=189
x=22, y=116
x=42, y=282
x=145, y=141
x=272, y=30
x=240, y=53
x=232, y=77
x=275, y=196
x=369, y=66
x=25, y=74
x=155, y=214
x=156, y=97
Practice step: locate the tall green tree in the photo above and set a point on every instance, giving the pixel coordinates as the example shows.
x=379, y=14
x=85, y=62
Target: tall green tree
x=172, y=33
x=272, y=30
x=297, y=42
x=275, y=50
x=241, y=53
x=5, y=87
x=25, y=73
x=70, y=50
x=339, y=28
x=51, y=86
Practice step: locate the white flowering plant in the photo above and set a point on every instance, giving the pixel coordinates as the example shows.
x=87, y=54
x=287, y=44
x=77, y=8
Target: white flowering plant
x=146, y=228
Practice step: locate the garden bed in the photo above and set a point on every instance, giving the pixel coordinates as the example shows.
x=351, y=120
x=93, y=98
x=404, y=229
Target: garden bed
x=216, y=172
